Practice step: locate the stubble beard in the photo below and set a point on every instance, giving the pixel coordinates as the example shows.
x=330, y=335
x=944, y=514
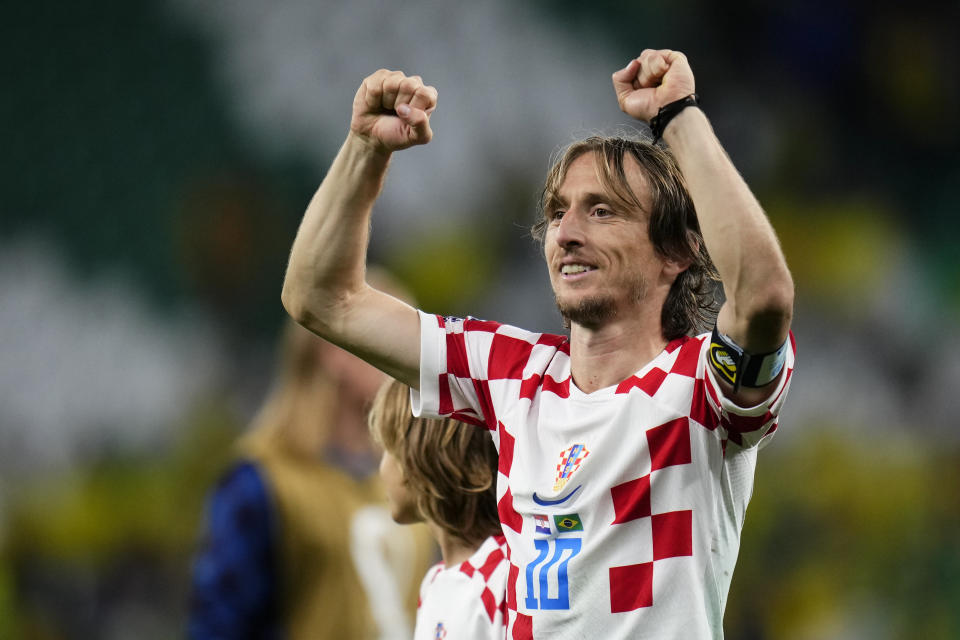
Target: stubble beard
x=592, y=312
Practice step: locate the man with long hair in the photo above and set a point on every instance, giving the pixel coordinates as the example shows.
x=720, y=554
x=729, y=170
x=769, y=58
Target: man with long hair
x=626, y=449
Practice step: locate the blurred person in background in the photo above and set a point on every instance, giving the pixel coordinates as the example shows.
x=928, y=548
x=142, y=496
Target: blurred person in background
x=454, y=491
x=299, y=542
x=627, y=450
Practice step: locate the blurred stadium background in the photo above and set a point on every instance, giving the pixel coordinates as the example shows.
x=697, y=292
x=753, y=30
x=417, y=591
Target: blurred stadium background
x=157, y=156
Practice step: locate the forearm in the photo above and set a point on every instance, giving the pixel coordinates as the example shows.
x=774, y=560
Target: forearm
x=327, y=261
x=738, y=235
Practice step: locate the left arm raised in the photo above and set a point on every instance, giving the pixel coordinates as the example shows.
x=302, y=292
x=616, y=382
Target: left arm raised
x=738, y=235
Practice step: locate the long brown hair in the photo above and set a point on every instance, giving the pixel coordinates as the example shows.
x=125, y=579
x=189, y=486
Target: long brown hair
x=450, y=467
x=692, y=303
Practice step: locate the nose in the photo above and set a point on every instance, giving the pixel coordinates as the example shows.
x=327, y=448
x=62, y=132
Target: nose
x=570, y=230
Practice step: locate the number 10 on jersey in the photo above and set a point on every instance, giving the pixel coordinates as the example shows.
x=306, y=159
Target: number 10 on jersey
x=541, y=581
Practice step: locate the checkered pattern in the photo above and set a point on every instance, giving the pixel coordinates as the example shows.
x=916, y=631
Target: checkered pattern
x=570, y=461
x=661, y=495
x=467, y=601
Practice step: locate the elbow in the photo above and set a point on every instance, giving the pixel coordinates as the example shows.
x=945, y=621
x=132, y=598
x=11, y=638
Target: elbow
x=292, y=301
x=299, y=304
x=779, y=298
x=771, y=310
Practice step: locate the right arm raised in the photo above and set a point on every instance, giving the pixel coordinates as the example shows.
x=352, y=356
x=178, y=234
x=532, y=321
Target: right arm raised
x=325, y=288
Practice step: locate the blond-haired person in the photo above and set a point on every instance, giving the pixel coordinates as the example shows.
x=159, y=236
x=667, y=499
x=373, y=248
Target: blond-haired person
x=453, y=490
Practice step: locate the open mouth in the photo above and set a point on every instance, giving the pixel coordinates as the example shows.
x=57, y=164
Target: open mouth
x=575, y=269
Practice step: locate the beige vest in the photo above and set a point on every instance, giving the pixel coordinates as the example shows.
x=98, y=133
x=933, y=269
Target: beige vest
x=346, y=570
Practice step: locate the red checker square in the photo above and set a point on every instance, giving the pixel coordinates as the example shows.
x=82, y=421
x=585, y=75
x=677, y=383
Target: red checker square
x=631, y=587
x=687, y=359
x=489, y=602
x=746, y=424
x=649, y=383
x=523, y=627
x=672, y=534
x=509, y=515
x=675, y=344
x=467, y=416
x=700, y=409
x=467, y=568
x=508, y=357
x=490, y=564
x=457, y=363
x=669, y=444
x=562, y=389
x=552, y=339
x=528, y=388
x=507, y=443
x=446, y=398
x=482, y=389
x=472, y=324
x=512, y=587
x=631, y=500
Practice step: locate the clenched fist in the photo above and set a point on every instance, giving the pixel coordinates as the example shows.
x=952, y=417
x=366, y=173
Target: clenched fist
x=652, y=80
x=392, y=110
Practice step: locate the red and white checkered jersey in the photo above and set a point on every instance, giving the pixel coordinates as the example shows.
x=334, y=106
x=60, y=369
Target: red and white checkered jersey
x=622, y=508
x=466, y=601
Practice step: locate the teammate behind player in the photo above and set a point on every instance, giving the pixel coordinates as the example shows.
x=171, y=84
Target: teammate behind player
x=453, y=489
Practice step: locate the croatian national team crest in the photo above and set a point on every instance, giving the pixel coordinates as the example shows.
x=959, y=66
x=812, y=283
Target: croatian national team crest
x=439, y=633
x=570, y=461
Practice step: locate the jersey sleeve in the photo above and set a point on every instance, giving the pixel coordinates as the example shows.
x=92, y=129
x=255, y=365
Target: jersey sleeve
x=459, y=357
x=745, y=427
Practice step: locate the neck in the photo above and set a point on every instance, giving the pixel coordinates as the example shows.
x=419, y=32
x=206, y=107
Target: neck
x=453, y=550
x=603, y=356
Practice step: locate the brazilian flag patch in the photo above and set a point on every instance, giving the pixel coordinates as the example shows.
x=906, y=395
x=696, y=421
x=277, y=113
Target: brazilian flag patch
x=568, y=522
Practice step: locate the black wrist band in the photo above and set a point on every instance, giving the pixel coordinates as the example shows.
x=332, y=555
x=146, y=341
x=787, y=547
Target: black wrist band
x=667, y=112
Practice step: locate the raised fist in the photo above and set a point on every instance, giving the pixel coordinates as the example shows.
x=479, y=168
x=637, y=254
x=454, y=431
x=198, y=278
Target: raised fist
x=392, y=110
x=652, y=80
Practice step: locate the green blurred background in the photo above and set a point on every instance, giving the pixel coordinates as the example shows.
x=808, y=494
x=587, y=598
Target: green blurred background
x=157, y=156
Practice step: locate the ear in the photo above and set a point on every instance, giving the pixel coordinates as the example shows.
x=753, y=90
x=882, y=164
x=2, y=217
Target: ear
x=673, y=268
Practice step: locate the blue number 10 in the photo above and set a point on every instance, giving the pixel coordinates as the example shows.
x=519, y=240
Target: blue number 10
x=562, y=601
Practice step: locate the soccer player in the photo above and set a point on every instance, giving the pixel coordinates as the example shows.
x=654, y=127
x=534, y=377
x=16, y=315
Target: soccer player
x=627, y=449
x=452, y=489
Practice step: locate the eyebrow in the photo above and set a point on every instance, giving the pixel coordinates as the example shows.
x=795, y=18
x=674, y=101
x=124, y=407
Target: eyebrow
x=554, y=199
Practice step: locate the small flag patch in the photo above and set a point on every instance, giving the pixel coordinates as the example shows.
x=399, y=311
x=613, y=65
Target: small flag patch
x=542, y=522
x=568, y=522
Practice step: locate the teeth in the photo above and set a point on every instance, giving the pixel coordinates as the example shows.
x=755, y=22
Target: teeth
x=568, y=269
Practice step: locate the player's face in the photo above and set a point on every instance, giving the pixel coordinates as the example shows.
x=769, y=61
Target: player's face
x=601, y=261
x=402, y=507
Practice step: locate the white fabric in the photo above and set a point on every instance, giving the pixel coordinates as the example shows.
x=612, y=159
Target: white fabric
x=661, y=494
x=455, y=602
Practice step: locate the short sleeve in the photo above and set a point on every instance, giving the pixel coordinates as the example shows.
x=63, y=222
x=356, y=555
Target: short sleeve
x=454, y=353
